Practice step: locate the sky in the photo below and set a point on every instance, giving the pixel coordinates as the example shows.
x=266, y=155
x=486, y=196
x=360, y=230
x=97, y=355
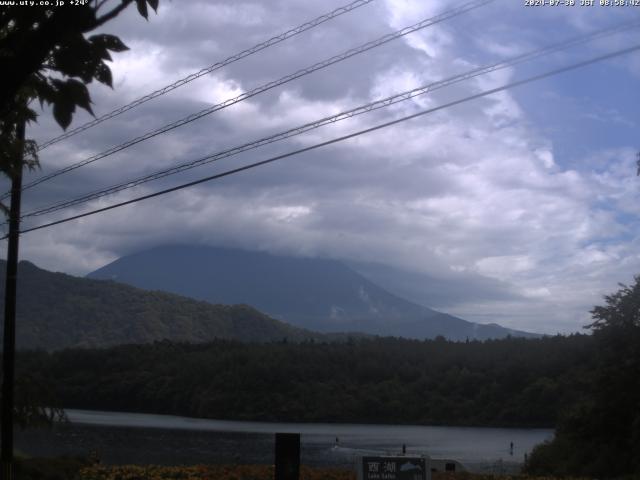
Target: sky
x=519, y=208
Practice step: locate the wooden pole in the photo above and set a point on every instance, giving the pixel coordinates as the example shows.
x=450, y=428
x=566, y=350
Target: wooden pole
x=9, y=341
x=287, y=456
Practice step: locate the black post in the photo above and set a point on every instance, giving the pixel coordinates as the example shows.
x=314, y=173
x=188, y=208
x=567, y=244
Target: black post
x=9, y=346
x=287, y=456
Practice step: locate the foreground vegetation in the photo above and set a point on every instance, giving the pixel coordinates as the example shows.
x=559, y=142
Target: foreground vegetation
x=510, y=382
x=256, y=472
x=600, y=434
x=74, y=469
x=201, y=472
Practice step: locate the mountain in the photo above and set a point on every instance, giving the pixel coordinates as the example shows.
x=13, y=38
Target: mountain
x=318, y=294
x=439, y=292
x=56, y=311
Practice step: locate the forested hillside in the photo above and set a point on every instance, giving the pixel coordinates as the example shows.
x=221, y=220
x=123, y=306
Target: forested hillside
x=509, y=382
x=57, y=311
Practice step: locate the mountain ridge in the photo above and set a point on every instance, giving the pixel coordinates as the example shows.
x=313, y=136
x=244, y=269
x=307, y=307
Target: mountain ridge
x=56, y=310
x=319, y=294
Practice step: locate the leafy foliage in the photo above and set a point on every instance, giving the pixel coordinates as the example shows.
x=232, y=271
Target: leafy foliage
x=12, y=147
x=44, y=54
x=600, y=435
x=510, y=382
x=39, y=45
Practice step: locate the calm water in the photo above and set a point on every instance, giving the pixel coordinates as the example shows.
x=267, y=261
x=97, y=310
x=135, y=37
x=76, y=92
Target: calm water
x=165, y=439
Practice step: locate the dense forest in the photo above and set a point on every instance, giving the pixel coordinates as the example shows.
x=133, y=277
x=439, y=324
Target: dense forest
x=508, y=382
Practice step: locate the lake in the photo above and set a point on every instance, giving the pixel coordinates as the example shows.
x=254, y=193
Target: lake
x=121, y=438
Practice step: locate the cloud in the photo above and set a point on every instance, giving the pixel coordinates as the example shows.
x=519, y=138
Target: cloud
x=478, y=195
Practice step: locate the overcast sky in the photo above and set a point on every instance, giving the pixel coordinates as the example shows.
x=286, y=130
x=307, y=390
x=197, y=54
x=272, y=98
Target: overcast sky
x=519, y=208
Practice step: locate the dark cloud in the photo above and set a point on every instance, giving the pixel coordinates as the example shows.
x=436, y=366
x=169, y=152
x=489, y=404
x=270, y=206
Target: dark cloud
x=472, y=201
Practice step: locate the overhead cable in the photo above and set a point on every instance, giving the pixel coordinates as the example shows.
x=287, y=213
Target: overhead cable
x=362, y=109
x=338, y=139
x=211, y=68
x=263, y=88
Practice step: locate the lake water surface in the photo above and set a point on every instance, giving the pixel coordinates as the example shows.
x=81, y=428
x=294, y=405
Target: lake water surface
x=165, y=439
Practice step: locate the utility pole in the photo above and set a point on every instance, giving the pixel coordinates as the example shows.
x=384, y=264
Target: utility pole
x=9, y=345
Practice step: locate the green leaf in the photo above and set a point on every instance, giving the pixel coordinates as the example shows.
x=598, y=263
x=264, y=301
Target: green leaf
x=110, y=42
x=103, y=75
x=78, y=94
x=44, y=90
x=62, y=112
x=142, y=8
x=153, y=4
x=68, y=94
x=67, y=58
x=99, y=47
x=30, y=115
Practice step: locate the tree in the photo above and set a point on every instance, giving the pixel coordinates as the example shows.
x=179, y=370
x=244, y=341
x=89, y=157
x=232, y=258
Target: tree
x=622, y=313
x=45, y=55
x=600, y=435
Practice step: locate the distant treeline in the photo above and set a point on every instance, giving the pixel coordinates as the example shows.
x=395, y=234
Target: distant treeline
x=509, y=382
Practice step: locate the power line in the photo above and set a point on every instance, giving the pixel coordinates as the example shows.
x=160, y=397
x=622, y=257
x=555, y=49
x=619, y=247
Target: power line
x=362, y=109
x=216, y=66
x=339, y=139
x=268, y=86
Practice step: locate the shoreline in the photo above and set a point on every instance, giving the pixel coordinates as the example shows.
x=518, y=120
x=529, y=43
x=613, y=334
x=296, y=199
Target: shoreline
x=122, y=445
x=142, y=419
